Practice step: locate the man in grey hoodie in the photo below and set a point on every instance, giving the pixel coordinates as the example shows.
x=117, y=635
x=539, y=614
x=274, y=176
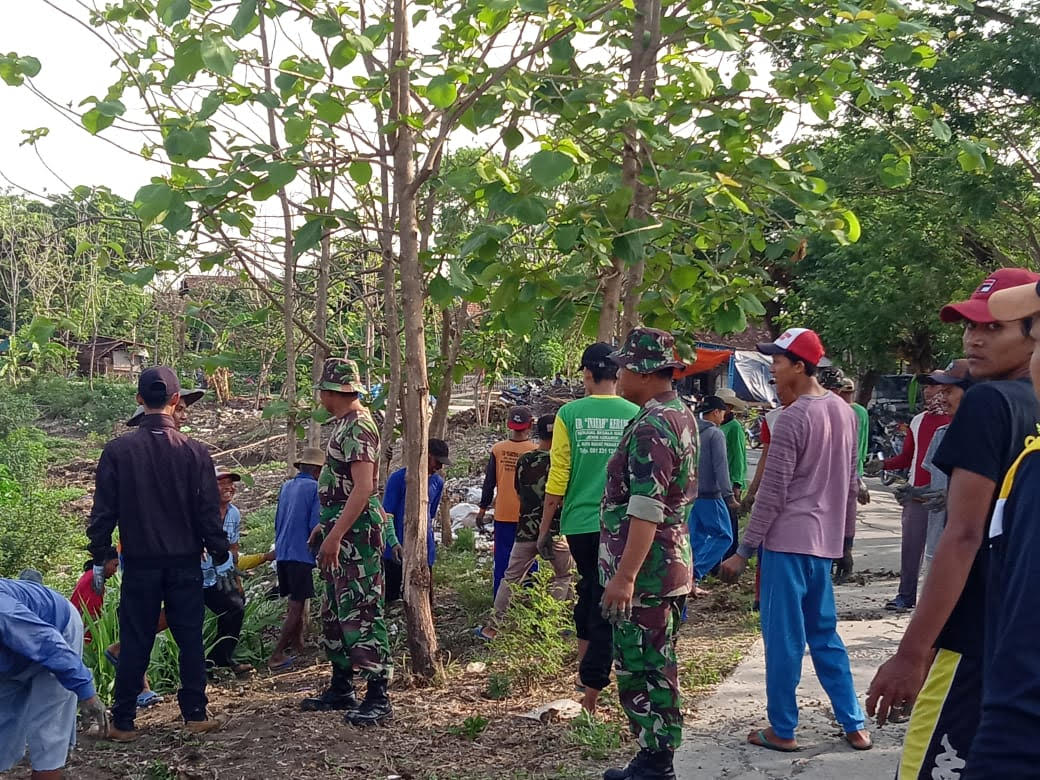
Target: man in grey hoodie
x=710, y=529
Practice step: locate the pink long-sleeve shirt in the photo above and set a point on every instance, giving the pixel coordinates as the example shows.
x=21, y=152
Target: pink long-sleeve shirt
x=806, y=502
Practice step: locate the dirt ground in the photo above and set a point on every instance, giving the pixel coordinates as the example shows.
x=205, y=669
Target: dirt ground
x=267, y=736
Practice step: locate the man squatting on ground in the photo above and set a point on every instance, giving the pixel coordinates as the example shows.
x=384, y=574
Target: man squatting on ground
x=645, y=559
x=586, y=433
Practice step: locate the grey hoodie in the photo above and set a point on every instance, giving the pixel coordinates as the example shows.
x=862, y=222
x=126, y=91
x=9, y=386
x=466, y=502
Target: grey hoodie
x=713, y=470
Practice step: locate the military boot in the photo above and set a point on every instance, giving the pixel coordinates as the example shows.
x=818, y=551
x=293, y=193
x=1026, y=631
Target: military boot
x=629, y=771
x=656, y=766
x=375, y=709
x=340, y=694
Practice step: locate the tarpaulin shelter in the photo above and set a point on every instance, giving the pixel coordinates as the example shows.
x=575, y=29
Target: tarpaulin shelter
x=751, y=379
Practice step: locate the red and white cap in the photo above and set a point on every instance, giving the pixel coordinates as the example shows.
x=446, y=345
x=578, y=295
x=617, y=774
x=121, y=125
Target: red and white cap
x=977, y=308
x=798, y=341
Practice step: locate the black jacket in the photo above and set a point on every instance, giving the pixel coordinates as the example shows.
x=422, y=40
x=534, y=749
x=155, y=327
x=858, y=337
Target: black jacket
x=160, y=488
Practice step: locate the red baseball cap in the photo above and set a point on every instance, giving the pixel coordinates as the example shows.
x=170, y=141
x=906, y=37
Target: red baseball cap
x=798, y=341
x=519, y=418
x=976, y=308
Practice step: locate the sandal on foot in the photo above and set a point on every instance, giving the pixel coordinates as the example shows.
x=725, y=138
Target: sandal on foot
x=147, y=699
x=479, y=633
x=283, y=665
x=869, y=744
x=763, y=741
x=111, y=657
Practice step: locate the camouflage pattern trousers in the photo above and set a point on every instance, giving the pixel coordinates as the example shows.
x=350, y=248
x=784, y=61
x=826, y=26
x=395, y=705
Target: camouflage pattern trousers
x=647, y=674
x=353, y=629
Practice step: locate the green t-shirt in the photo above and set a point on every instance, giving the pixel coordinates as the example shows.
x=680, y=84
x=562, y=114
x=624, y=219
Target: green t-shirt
x=863, y=423
x=585, y=435
x=736, y=451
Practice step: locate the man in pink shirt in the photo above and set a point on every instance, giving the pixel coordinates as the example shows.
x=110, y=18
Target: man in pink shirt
x=805, y=517
x=915, y=515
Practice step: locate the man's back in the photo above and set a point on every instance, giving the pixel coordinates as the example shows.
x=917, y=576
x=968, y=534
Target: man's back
x=806, y=503
x=297, y=514
x=585, y=435
x=160, y=488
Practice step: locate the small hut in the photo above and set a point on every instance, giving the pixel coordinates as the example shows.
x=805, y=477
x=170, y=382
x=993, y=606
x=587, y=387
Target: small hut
x=105, y=356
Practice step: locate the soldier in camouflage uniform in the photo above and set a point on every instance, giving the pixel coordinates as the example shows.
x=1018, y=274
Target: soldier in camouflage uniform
x=351, y=537
x=532, y=471
x=645, y=559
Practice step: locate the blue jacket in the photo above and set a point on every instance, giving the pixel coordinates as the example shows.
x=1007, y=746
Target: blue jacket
x=394, y=503
x=295, y=519
x=32, y=620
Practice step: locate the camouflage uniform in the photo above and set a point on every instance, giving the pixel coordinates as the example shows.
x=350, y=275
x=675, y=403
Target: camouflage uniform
x=651, y=476
x=532, y=472
x=354, y=632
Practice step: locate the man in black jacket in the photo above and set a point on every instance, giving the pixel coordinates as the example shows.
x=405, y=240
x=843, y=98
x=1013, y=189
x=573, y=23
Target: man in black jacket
x=159, y=487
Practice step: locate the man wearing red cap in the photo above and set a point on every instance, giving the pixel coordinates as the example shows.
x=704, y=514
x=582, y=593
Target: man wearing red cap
x=1005, y=743
x=944, y=641
x=499, y=489
x=805, y=517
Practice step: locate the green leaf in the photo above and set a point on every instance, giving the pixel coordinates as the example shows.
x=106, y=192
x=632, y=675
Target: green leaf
x=361, y=172
x=852, y=228
x=566, y=236
x=941, y=130
x=275, y=409
x=512, y=138
x=172, y=11
x=94, y=121
x=442, y=91
x=245, y=20
x=549, y=168
x=730, y=319
x=535, y=6
x=281, y=174
x=151, y=201
x=562, y=50
x=308, y=236
x=297, y=128
x=14, y=69
x=895, y=171
x=210, y=104
x=723, y=40
x=971, y=157
x=217, y=56
x=342, y=54
x=440, y=291
x=618, y=203
x=326, y=27
x=185, y=145
x=178, y=216
x=530, y=210
x=328, y=108
x=703, y=83
x=140, y=277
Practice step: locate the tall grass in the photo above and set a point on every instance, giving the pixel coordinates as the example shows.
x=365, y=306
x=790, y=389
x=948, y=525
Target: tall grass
x=262, y=617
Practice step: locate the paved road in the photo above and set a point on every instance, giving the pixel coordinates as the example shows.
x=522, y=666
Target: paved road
x=715, y=735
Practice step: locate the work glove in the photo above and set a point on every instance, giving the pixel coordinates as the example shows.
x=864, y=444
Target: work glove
x=863, y=496
x=902, y=494
x=934, y=501
x=843, y=565
x=94, y=712
x=97, y=581
x=226, y=575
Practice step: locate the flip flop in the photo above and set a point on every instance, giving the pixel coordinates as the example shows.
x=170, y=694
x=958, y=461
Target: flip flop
x=478, y=632
x=868, y=746
x=111, y=657
x=284, y=665
x=763, y=741
x=147, y=699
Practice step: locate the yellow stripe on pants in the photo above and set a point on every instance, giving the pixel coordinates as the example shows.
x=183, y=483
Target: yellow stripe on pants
x=925, y=716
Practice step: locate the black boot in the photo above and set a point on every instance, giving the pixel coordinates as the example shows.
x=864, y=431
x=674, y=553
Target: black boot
x=340, y=694
x=629, y=771
x=656, y=766
x=375, y=709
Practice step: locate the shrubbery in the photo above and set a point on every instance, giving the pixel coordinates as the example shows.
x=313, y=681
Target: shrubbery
x=98, y=408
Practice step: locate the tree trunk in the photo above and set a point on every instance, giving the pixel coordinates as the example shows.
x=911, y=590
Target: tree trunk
x=451, y=342
x=444, y=518
x=422, y=639
x=610, y=284
x=321, y=321
x=867, y=382
x=642, y=80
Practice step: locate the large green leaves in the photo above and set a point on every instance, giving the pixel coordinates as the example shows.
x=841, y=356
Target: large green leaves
x=549, y=168
x=217, y=55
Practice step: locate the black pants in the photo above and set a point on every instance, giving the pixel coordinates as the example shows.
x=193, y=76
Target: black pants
x=393, y=579
x=144, y=592
x=588, y=619
x=230, y=610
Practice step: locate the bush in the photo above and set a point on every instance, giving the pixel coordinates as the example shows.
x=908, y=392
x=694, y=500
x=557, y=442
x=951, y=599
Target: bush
x=258, y=530
x=17, y=411
x=530, y=644
x=468, y=574
x=100, y=408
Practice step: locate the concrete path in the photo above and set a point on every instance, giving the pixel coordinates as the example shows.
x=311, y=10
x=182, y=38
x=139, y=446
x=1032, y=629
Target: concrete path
x=715, y=736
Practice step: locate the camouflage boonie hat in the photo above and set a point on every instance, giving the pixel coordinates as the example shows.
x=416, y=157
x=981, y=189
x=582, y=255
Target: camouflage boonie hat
x=341, y=376
x=647, y=350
